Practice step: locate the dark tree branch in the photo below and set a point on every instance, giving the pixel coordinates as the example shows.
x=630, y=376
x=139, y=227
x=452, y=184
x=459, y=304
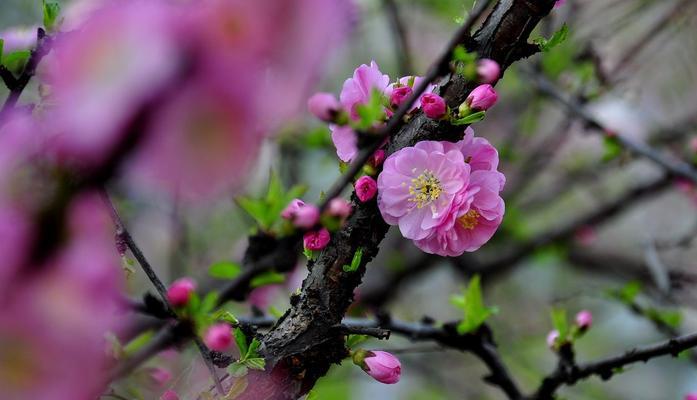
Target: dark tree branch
x=607, y=367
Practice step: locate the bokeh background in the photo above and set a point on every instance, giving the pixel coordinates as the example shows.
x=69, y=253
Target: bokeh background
x=632, y=62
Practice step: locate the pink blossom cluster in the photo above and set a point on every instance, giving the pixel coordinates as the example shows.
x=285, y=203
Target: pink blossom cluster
x=444, y=196
x=307, y=216
x=357, y=90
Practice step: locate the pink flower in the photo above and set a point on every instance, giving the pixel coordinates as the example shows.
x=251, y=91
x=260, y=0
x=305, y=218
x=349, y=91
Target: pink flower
x=383, y=367
x=316, y=240
x=160, y=376
x=482, y=98
x=418, y=185
x=366, y=188
x=292, y=208
x=488, y=70
x=377, y=158
x=306, y=216
x=180, y=291
x=169, y=395
x=584, y=319
x=399, y=95
x=339, y=207
x=218, y=336
x=433, y=105
x=552, y=338
x=18, y=38
x=324, y=106
x=345, y=141
x=404, y=82
x=358, y=89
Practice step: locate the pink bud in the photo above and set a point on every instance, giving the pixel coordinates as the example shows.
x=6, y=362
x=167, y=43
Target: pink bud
x=691, y=396
x=383, y=367
x=552, y=339
x=160, y=376
x=339, y=207
x=584, y=319
x=377, y=158
x=218, y=337
x=180, y=291
x=366, y=188
x=433, y=105
x=482, y=98
x=291, y=208
x=316, y=240
x=399, y=95
x=324, y=106
x=169, y=395
x=559, y=3
x=488, y=70
x=306, y=216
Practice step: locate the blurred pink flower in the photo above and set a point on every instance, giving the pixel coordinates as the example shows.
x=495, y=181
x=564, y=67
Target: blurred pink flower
x=586, y=235
x=292, y=208
x=383, y=367
x=324, y=106
x=377, y=158
x=339, y=207
x=316, y=240
x=366, y=188
x=306, y=216
x=160, y=376
x=559, y=3
x=180, y=291
x=434, y=106
x=169, y=395
x=218, y=336
x=345, y=141
x=584, y=319
x=488, y=70
x=552, y=338
x=417, y=186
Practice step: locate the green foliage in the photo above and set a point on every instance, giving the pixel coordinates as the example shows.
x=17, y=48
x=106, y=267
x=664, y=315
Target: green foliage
x=224, y=270
x=472, y=304
x=51, y=10
x=15, y=60
x=371, y=112
x=628, y=293
x=249, y=355
x=266, y=211
x=268, y=278
x=354, y=340
x=2, y=46
x=612, y=148
x=470, y=119
x=355, y=262
x=671, y=318
x=557, y=38
x=137, y=343
x=560, y=322
x=465, y=63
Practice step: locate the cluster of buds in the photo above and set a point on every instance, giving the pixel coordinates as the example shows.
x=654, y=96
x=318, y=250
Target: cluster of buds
x=582, y=323
x=307, y=216
x=380, y=365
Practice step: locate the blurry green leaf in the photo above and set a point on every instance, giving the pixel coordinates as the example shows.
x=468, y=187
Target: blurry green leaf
x=253, y=347
x=670, y=317
x=267, y=209
x=355, y=262
x=238, y=388
x=224, y=270
x=226, y=316
x=209, y=302
x=560, y=322
x=51, y=10
x=138, y=342
x=628, y=293
x=2, y=46
x=354, y=340
x=15, y=60
x=470, y=119
x=255, y=363
x=237, y=369
x=317, y=138
x=371, y=112
x=472, y=303
x=240, y=340
x=268, y=278
x=612, y=148
x=557, y=38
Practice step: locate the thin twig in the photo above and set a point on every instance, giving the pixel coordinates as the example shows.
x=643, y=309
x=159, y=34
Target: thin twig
x=400, y=37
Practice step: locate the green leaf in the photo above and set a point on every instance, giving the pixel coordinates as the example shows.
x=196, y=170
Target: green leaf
x=209, y=302
x=226, y=316
x=560, y=322
x=268, y=278
x=2, y=46
x=371, y=112
x=255, y=363
x=472, y=303
x=355, y=262
x=237, y=369
x=51, y=11
x=354, y=340
x=237, y=388
x=612, y=147
x=138, y=342
x=670, y=318
x=252, y=350
x=628, y=293
x=266, y=211
x=224, y=270
x=557, y=38
x=15, y=61
x=470, y=119
x=240, y=340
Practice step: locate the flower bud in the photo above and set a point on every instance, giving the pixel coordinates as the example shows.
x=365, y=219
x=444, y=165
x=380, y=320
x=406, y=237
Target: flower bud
x=169, y=395
x=324, y=106
x=381, y=365
x=488, y=70
x=316, y=240
x=552, y=338
x=339, y=207
x=306, y=216
x=400, y=95
x=366, y=188
x=218, y=337
x=584, y=320
x=180, y=291
x=482, y=98
x=292, y=208
x=433, y=105
x=377, y=158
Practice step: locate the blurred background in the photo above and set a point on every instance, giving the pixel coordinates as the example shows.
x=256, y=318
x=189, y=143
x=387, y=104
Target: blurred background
x=631, y=64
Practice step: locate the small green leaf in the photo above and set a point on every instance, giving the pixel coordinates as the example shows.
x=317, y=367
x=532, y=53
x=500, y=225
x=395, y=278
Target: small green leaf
x=226, y=316
x=628, y=293
x=472, y=303
x=209, y=302
x=237, y=369
x=51, y=11
x=371, y=112
x=255, y=363
x=355, y=262
x=560, y=322
x=2, y=46
x=470, y=119
x=240, y=340
x=224, y=270
x=138, y=342
x=268, y=278
x=15, y=61
x=612, y=147
x=252, y=350
x=557, y=38
x=354, y=340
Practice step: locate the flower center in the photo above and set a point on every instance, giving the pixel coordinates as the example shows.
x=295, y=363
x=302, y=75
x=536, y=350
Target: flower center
x=469, y=220
x=425, y=189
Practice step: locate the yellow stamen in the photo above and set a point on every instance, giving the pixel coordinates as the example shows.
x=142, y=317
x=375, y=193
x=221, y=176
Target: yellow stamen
x=425, y=189
x=469, y=220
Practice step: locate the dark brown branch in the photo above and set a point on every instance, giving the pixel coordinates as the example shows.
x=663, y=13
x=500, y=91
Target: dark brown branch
x=607, y=367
